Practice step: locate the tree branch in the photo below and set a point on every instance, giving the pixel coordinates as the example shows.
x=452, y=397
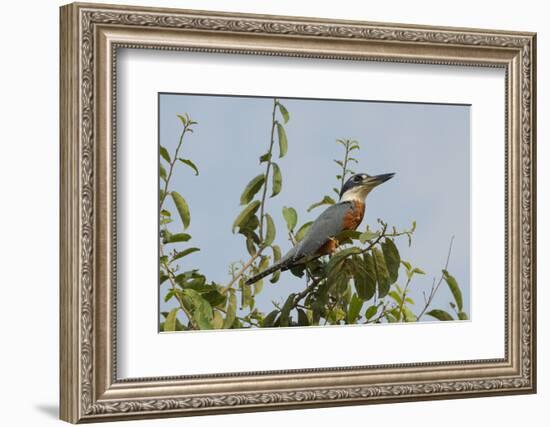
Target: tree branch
x=247, y=265
x=316, y=281
x=171, y=274
x=306, y=291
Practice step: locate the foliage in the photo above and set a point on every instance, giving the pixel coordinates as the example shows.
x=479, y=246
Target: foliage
x=365, y=281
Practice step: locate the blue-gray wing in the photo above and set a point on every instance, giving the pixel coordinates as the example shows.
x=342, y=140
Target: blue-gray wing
x=327, y=225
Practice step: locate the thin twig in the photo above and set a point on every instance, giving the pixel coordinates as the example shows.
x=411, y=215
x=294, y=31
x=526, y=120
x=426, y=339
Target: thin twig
x=403, y=297
x=171, y=169
x=268, y=168
x=380, y=316
x=307, y=290
x=377, y=240
x=243, y=269
x=345, y=165
x=433, y=291
x=171, y=276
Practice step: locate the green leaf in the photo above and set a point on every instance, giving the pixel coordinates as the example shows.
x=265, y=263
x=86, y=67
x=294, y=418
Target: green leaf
x=183, y=120
x=396, y=297
x=190, y=164
x=179, y=237
x=193, y=281
x=277, y=180
x=327, y=200
x=408, y=315
x=276, y=257
x=247, y=228
x=440, y=315
x=340, y=256
x=390, y=318
x=170, y=322
x=363, y=285
x=217, y=320
x=382, y=275
x=291, y=217
x=275, y=277
x=392, y=258
x=169, y=295
x=269, y=320
x=231, y=312
x=258, y=287
x=270, y=230
x=368, y=288
x=367, y=235
x=188, y=275
x=213, y=296
x=407, y=265
x=164, y=154
x=276, y=253
x=183, y=208
x=462, y=315
x=162, y=172
x=453, y=286
x=371, y=311
x=164, y=221
x=186, y=252
x=300, y=234
x=283, y=142
x=246, y=214
x=347, y=236
x=265, y=157
x=250, y=247
x=284, y=112
x=355, y=306
x=201, y=309
x=302, y=318
x=252, y=188
x=246, y=295
x=285, y=311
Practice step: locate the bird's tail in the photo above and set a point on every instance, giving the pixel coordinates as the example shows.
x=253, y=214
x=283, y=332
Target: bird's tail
x=279, y=266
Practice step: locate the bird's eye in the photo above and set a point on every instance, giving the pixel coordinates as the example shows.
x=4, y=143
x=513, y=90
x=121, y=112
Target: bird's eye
x=357, y=178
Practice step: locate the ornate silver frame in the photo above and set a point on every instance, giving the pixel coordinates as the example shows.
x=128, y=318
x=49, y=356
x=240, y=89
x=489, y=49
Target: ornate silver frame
x=90, y=35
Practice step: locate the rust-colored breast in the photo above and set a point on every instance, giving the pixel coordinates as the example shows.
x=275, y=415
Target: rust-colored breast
x=328, y=248
x=353, y=218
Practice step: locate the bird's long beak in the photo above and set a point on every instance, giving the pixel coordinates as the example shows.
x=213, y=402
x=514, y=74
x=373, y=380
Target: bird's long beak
x=373, y=181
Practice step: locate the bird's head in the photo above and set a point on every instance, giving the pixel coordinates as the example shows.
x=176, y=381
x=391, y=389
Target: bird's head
x=358, y=186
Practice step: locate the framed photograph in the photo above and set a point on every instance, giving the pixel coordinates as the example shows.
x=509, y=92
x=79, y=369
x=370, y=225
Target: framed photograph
x=266, y=212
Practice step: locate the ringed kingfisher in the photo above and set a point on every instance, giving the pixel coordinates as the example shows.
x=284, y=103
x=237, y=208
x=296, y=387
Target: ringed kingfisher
x=320, y=240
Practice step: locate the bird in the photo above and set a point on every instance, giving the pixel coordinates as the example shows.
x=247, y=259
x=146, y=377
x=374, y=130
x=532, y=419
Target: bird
x=344, y=215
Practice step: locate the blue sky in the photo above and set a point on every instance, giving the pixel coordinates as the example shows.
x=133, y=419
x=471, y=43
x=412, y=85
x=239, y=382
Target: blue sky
x=426, y=145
